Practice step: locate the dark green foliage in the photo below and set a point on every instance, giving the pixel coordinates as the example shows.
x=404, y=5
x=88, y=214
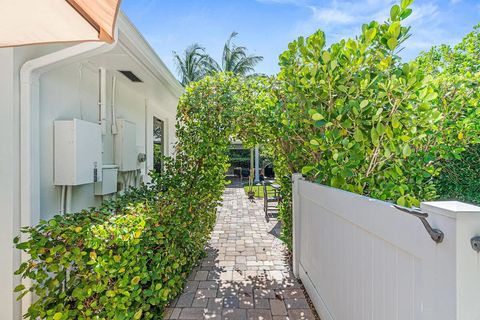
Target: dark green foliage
x=285, y=210
x=455, y=77
x=460, y=178
x=239, y=158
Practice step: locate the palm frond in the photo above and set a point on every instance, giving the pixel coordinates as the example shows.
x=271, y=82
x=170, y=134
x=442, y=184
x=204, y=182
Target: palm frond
x=196, y=63
x=191, y=66
x=247, y=64
x=211, y=66
x=235, y=58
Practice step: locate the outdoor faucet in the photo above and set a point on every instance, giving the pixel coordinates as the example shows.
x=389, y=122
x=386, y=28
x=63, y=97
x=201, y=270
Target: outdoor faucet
x=475, y=241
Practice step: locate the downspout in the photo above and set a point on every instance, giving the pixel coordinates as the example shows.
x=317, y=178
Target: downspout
x=30, y=73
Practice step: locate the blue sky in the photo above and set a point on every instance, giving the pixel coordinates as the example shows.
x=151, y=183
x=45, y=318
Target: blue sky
x=267, y=26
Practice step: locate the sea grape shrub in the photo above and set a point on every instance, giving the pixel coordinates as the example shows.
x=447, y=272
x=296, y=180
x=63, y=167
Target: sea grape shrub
x=124, y=260
x=366, y=121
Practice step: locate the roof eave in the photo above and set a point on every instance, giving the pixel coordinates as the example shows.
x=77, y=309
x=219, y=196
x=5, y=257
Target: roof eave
x=130, y=38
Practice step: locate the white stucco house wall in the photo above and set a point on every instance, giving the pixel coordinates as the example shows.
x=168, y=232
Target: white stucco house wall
x=42, y=84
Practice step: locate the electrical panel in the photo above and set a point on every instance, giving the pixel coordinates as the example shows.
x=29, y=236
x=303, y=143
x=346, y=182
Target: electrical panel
x=108, y=184
x=126, y=153
x=78, y=152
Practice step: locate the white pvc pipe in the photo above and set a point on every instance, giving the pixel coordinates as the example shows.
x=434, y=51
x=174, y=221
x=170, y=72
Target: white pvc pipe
x=146, y=138
x=114, y=112
x=62, y=200
x=102, y=99
x=68, y=200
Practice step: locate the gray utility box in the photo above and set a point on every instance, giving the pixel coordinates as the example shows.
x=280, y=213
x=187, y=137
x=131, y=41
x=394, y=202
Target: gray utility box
x=78, y=152
x=108, y=185
x=126, y=153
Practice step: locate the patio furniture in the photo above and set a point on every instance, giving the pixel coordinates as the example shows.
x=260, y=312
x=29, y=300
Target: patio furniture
x=245, y=173
x=237, y=172
x=268, y=171
x=271, y=198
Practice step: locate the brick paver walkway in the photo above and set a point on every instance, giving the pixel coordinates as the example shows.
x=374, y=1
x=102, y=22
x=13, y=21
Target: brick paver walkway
x=245, y=274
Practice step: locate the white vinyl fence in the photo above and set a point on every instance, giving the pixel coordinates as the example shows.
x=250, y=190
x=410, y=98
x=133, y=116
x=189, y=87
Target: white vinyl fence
x=364, y=259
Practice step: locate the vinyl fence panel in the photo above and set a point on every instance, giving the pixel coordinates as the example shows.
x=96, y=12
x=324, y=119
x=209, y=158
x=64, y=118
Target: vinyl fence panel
x=363, y=259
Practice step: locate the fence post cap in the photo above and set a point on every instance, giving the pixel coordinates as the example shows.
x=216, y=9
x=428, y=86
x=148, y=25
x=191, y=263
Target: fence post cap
x=452, y=209
x=297, y=176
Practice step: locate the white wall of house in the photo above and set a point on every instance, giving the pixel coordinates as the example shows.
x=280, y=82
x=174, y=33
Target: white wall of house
x=66, y=91
x=9, y=185
x=10, y=62
x=72, y=92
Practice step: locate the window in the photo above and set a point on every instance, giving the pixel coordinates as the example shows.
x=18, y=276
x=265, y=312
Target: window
x=158, y=144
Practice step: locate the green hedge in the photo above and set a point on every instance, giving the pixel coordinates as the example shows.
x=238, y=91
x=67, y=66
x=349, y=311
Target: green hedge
x=124, y=260
x=460, y=178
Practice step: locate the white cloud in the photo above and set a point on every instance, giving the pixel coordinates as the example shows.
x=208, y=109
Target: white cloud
x=294, y=2
x=424, y=14
x=426, y=30
x=331, y=15
x=341, y=19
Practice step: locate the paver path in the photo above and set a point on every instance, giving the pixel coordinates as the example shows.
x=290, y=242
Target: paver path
x=245, y=274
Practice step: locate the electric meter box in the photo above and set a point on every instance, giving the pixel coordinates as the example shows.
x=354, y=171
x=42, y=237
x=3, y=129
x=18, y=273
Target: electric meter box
x=77, y=153
x=126, y=153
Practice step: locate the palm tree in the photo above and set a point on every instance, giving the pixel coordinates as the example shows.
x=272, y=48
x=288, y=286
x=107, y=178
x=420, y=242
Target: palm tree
x=234, y=59
x=191, y=67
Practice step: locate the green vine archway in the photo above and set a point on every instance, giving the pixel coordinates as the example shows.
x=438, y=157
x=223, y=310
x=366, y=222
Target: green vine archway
x=220, y=109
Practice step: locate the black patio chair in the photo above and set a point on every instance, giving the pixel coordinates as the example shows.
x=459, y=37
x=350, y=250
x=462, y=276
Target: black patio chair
x=271, y=198
x=268, y=171
x=245, y=174
x=237, y=172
